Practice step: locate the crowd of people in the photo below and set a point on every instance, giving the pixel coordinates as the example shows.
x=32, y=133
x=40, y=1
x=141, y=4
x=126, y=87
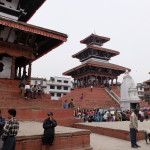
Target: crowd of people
x=28, y=91
x=99, y=114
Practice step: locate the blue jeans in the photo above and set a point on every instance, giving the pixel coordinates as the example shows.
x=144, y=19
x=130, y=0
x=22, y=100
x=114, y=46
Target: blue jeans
x=133, y=136
x=9, y=143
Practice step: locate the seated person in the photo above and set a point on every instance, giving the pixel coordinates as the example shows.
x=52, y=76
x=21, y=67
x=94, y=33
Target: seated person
x=40, y=91
x=27, y=90
x=34, y=91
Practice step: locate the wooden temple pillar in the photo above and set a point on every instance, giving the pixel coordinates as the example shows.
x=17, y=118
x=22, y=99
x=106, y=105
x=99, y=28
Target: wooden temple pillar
x=116, y=80
x=19, y=75
x=12, y=76
x=111, y=81
x=29, y=71
x=96, y=80
x=86, y=81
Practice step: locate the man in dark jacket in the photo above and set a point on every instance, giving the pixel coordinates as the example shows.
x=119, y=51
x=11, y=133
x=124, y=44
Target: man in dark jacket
x=49, y=125
x=2, y=123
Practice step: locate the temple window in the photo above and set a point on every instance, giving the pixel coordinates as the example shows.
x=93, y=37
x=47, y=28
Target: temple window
x=59, y=81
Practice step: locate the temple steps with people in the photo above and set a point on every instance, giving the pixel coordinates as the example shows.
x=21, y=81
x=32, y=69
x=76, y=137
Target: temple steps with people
x=97, y=98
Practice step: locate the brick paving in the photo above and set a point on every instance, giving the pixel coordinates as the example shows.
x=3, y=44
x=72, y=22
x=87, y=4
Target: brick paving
x=100, y=142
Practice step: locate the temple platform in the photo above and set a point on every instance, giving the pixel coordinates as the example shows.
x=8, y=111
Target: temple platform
x=30, y=134
x=118, y=130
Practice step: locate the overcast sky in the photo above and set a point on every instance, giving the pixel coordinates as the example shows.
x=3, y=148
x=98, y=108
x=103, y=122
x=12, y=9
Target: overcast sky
x=125, y=22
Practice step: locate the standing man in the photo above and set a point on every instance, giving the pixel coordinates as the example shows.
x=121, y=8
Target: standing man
x=2, y=123
x=134, y=128
x=71, y=104
x=10, y=131
x=22, y=88
x=49, y=125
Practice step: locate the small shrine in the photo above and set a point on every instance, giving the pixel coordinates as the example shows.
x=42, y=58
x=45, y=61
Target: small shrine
x=129, y=93
x=95, y=68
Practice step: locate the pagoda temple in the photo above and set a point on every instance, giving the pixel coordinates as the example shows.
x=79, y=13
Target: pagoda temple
x=95, y=68
x=95, y=71
x=22, y=43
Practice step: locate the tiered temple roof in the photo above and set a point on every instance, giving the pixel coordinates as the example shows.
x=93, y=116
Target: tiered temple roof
x=95, y=65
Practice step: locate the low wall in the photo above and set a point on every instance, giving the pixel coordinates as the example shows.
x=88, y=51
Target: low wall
x=116, y=133
x=65, y=141
x=64, y=117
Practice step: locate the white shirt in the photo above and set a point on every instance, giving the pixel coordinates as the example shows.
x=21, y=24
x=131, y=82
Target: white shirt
x=27, y=86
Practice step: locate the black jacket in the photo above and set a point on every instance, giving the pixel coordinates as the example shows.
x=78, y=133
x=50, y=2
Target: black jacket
x=49, y=126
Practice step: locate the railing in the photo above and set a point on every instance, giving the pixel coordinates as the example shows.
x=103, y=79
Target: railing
x=113, y=95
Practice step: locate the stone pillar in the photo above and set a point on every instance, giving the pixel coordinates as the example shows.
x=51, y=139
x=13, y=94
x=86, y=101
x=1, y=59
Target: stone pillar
x=29, y=71
x=13, y=68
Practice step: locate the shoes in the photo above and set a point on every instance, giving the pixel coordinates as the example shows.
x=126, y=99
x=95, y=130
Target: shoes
x=134, y=146
x=138, y=145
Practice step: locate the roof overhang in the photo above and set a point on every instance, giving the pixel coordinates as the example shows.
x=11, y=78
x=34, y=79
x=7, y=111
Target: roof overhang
x=105, y=39
x=98, y=64
x=54, y=38
x=23, y=10
x=96, y=48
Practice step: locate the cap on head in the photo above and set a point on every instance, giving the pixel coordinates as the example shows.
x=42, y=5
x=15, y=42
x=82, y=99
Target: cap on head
x=49, y=113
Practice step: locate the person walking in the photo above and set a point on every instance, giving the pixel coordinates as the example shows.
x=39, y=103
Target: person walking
x=71, y=104
x=10, y=131
x=49, y=125
x=2, y=123
x=65, y=105
x=134, y=128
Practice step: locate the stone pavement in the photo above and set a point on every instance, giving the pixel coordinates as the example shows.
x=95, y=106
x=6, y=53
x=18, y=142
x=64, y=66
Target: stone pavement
x=121, y=125
x=100, y=142
x=28, y=128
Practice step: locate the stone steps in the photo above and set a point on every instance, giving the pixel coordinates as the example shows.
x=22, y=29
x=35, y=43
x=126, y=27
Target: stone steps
x=97, y=98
